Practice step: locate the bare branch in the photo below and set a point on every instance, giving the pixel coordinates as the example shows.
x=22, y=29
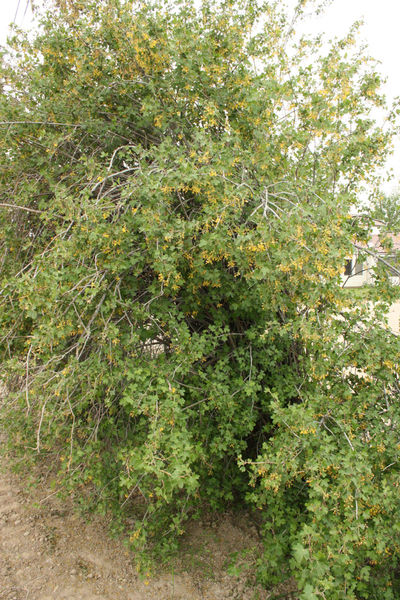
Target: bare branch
x=377, y=257
x=32, y=210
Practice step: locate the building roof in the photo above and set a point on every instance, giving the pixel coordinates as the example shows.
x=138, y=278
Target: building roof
x=376, y=245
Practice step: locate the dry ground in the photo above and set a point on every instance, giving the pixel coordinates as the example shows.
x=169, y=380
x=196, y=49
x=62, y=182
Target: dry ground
x=49, y=552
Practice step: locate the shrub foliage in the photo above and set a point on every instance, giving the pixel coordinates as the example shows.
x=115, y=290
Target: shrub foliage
x=176, y=197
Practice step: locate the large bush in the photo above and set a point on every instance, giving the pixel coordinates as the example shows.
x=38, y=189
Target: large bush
x=176, y=194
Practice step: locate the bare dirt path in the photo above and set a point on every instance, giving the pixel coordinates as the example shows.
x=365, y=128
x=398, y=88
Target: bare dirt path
x=49, y=552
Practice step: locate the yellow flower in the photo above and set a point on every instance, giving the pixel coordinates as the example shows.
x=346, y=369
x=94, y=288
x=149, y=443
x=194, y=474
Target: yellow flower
x=135, y=535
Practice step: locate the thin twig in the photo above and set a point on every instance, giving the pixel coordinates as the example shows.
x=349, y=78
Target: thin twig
x=40, y=427
x=32, y=210
x=28, y=406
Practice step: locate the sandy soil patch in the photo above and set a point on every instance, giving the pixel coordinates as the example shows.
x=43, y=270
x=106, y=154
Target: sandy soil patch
x=48, y=551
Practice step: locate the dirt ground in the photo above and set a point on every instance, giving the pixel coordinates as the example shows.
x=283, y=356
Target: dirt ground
x=49, y=552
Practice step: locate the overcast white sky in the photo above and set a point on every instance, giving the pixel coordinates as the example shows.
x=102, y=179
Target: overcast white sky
x=381, y=31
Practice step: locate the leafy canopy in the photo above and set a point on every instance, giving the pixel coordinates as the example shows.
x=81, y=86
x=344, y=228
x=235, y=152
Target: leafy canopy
x=176, y=197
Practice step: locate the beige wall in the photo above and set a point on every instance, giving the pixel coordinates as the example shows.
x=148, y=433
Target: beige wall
x=394, y=317
x=366, y=278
